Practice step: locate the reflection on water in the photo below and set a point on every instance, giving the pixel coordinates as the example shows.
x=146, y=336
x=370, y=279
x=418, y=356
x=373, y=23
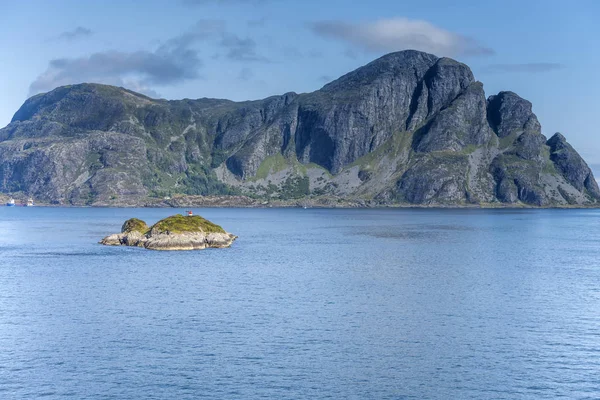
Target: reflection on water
x=410, y=231
x=306, y=304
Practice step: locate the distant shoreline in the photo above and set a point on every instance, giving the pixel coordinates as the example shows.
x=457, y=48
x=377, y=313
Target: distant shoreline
x=324, y=207
x=241, y=201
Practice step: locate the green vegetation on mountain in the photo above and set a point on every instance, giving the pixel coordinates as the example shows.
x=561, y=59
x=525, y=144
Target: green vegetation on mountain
x=407, y=128
x=180, y=224
x=135, y=225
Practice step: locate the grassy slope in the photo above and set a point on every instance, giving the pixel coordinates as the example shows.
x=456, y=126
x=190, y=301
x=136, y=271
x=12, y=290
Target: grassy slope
x=135, y=225
x=180, y=224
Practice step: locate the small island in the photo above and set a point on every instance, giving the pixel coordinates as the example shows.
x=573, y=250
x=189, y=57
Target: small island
x=176, y=232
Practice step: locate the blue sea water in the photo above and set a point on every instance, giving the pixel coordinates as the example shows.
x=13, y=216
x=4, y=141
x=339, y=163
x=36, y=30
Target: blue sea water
x=307, y=304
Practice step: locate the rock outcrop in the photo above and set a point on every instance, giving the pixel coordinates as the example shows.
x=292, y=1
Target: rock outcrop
x=408, y=128
x=571, y=166
x=173, y=233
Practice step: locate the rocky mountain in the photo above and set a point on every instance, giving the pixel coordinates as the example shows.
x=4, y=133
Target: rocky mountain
x=408, y=128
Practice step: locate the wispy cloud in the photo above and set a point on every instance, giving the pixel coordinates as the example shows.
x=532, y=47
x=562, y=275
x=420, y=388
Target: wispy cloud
x=140, y=68
x=394, y=34
x=294, y=53
x=526, y=68
x=236, y=48
x=325, y=78
x=174, y=61
x=136, y=86
x=246, y=74
x=77, y=33
x=240, y=49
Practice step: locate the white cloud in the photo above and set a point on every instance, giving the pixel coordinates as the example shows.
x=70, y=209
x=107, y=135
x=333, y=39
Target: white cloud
x=394, y=34
x=175, y=61
x=76, y=33
x=162, y=67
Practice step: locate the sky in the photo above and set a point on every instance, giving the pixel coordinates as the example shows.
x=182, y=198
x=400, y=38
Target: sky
x=545, y=51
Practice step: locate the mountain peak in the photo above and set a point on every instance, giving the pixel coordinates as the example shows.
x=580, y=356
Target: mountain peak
x=407, y=62
x=82, y=95
x=556, y=139
x=509, y=113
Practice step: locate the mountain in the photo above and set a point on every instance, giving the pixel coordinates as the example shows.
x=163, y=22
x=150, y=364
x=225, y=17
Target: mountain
x=408, y=128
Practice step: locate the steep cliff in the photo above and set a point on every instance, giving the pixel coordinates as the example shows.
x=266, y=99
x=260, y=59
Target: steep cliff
x=406, y=128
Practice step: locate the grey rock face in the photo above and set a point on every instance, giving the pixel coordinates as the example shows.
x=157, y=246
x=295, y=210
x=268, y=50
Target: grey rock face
x=508, y=113
x=530, y=146
x=571, y=166
x=445, y=81
x=435, y=180
x=354, y=115
x=461, y=124
x=91, y=168
x=166, y=242
x=518, y=180
x=407, y=127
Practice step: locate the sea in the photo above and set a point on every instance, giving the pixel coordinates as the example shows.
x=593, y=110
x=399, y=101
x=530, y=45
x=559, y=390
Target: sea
x=306, y=304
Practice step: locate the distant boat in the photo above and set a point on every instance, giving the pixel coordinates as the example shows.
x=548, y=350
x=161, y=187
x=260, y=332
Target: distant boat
x=29, y=203
x=11, y=203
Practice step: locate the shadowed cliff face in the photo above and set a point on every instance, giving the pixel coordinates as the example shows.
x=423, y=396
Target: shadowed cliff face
x=508, y=113
x=408, y=127
x=570, y=164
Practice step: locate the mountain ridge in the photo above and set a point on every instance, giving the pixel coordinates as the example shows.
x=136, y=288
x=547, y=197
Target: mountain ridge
x=407, y=128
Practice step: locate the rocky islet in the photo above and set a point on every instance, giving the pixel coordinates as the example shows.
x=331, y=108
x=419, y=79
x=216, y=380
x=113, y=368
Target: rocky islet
x=176, y=232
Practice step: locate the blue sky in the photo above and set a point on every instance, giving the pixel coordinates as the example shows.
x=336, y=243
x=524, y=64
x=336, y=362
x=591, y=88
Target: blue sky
x=546, y=51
